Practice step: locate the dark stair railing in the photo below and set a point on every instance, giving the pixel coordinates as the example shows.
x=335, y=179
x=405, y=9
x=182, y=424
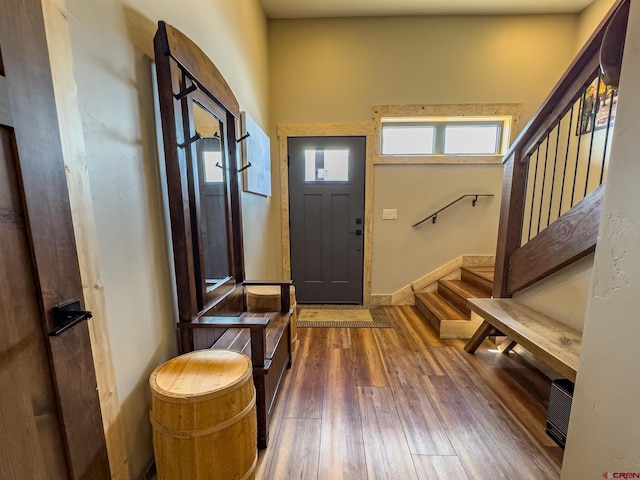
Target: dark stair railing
x=434, y=215
x=555, y=171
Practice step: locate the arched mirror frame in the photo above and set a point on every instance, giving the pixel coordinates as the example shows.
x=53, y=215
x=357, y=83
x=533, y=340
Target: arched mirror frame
x=186, y=75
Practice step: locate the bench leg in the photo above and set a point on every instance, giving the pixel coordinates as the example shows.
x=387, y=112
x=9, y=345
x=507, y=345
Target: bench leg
x=483, y=331
x=261, y=409
x=507, y=346
x=290, y=345
x=263, y=440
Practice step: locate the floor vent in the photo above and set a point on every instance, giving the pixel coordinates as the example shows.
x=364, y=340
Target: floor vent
x=559, y=410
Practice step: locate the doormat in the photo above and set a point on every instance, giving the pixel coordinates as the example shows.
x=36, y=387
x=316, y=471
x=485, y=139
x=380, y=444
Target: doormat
x=341, y=316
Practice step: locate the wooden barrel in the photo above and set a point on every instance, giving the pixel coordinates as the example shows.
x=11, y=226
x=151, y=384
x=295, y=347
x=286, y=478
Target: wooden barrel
x=267, y=299
x=203, y=414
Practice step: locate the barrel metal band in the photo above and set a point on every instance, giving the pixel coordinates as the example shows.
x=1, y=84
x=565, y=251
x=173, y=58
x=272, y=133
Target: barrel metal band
x=251, y=469
x=205, y=431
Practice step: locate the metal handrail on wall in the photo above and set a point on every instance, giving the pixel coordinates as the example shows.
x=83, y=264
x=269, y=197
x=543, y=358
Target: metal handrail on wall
x=434, y=215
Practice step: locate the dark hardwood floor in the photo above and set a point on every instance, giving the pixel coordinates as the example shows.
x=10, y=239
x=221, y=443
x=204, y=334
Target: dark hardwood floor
x=399, y=403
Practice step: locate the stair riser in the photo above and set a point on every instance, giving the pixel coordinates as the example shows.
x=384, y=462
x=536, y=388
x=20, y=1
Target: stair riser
x=454, y=299
x=460, y=329
x=451, y=329
x=428, y=315
x=477, y=281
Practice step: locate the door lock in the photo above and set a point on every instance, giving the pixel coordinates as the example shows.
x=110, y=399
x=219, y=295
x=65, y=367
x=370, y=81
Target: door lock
x=357, y=233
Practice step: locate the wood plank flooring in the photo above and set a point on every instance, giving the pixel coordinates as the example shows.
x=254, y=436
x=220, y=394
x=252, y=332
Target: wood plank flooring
x=399, y=403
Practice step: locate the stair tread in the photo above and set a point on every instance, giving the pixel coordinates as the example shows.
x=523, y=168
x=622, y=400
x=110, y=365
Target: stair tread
x=440, y=307
x=464, y=289
x=485, y=272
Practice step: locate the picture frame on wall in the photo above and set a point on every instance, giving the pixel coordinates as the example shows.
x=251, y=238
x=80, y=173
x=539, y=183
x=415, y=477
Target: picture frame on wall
x=256, y=157
x=602, y=100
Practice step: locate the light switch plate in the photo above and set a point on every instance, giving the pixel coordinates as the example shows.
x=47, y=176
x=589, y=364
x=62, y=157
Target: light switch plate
x=389, y=213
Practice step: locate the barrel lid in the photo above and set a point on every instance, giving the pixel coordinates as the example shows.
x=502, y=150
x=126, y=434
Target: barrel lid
x=200, y=375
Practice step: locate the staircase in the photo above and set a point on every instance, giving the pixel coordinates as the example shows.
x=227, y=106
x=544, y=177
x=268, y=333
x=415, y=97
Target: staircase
x=446, y=308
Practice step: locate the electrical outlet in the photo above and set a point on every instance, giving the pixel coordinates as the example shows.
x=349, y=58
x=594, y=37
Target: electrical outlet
x=389, y=213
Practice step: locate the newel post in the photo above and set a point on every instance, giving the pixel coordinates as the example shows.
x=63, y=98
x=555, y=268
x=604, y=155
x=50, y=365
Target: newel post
x=511, y=216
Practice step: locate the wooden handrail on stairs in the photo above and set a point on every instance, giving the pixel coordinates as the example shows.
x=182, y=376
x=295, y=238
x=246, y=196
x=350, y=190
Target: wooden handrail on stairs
x=559, y=225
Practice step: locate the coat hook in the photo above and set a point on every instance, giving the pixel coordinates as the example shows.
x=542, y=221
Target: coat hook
x=245, y=167
x=184, y=93
x=243, y=138
x=195, y=138
x=218, y=165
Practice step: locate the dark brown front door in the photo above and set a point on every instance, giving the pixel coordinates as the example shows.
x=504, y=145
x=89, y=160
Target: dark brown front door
x=326, y=218
x=50, y=421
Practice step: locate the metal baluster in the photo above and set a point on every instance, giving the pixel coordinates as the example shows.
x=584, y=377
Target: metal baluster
x=593, y=131
x=555, y=163
x=606, y=138
x=566, y=157
x=544, y=179
x=580, y=126
x=533, y=193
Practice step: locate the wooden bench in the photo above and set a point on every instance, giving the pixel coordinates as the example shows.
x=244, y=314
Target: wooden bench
x=266, y=339
x=554, y=343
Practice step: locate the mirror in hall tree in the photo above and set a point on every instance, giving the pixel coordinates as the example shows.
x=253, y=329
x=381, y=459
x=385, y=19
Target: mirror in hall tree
x=211, y=165
x=200, y=117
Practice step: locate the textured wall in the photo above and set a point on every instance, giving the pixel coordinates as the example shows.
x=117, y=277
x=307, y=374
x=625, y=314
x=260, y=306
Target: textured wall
x=603, y=431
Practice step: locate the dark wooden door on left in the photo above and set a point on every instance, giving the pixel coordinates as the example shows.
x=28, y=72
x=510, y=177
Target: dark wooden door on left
x=50, y=419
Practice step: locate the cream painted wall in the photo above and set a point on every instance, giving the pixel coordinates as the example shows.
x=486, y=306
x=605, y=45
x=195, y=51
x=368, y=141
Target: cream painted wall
x=329, y=70
x=563, y=295
x=334, y=70
x=590, y=18
x=112, y=47
x=603, y=430
x=403, y=254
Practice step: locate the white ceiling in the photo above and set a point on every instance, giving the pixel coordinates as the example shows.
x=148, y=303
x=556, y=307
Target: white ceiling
x=364, y=8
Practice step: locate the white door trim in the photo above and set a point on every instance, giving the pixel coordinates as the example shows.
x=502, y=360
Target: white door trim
x=327, y=130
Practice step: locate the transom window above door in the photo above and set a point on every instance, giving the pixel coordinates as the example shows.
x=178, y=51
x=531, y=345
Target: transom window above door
x=433, y=136
x=444, y=133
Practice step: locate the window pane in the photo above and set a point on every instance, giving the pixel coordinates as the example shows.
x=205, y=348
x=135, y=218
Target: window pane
x=407, y=139
x=471, y=139
x=212, y=174
x=326, y=165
